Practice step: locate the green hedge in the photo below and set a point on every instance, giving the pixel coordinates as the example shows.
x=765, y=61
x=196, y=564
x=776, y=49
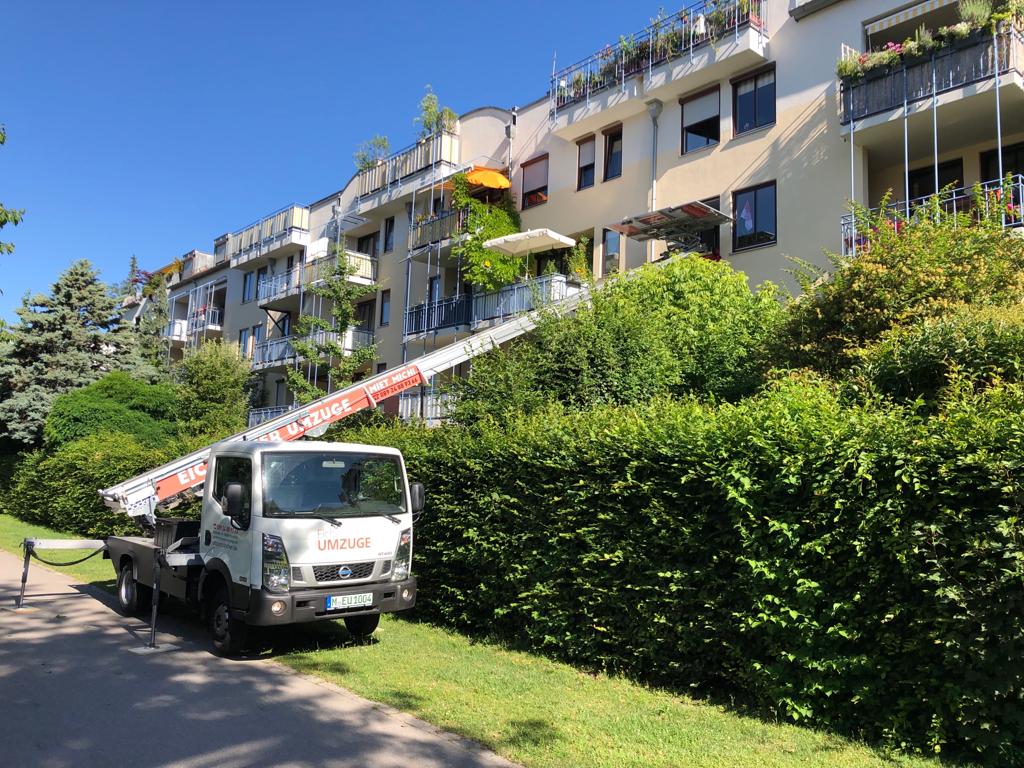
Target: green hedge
x=850, y=567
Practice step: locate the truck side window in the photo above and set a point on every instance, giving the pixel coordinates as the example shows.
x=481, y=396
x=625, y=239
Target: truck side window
x=235, y=470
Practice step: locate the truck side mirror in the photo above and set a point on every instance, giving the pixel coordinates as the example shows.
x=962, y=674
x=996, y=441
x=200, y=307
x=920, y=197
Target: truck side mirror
x=233, y=500
x=416, y=497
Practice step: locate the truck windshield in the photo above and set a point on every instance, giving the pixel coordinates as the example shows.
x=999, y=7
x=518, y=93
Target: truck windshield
x=318, y=484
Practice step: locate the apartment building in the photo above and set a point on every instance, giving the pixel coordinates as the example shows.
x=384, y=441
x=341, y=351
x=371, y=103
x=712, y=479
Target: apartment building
x=722, y=127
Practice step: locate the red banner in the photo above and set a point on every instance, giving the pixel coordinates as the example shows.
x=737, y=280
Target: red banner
x=326, y=411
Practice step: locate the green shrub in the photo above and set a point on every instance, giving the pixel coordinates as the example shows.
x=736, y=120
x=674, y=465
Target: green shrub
x=115, y=403
x=58, y=488
x=905, y=273
x=852, y=567
x=979, y=345
x=214, y=395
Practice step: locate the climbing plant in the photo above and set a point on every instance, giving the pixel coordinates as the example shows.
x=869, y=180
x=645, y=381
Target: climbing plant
x=485, y=268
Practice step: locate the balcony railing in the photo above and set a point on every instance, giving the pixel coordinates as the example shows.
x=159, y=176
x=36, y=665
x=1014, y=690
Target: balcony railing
x=197, y=262
x=430, y=406
x=497, y=306
x=259, y=415
x=282, y=350
x=177, y=330
x=996, y=198
x=703, y=23
x=438, y=147
x=437, y=229
x=270, y=232
x=970, y=61
x=204, y=319
x=287, y=283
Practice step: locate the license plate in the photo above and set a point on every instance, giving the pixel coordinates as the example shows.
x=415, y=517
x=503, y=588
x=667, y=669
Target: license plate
x=339, y=602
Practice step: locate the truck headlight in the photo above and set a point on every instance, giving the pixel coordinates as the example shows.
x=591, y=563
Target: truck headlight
x=276, y=570
x=403, y=557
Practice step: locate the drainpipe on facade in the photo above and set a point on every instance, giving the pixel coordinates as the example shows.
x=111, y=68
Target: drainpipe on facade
x=654, y=108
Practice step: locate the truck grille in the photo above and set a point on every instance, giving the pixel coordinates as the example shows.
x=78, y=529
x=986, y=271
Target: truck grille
x=330, y=572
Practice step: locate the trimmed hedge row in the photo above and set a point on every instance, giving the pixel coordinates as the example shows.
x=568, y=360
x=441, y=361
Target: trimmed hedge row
x=858, y=568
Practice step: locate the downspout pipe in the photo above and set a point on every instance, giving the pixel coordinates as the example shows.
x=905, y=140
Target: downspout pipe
x=654, y=108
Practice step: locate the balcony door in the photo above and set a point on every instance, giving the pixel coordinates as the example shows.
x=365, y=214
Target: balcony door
x=922, y=180
x=1013, y=162
x=434, y=289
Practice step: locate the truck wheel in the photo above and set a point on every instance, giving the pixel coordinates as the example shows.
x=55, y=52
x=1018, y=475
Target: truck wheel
x=228, y=634
x=361, y=627
x=132, y=597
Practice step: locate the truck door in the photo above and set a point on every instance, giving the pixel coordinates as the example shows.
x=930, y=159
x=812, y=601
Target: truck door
x=224, y=538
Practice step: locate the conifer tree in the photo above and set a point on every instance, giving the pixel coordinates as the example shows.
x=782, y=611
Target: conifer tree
x=62, y=341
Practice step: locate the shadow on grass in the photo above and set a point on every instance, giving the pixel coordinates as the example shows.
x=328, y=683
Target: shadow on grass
x=533, y=732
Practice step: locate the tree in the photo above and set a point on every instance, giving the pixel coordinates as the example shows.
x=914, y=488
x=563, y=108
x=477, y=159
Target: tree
x=8, y=215
x=486, y=268
x=216, y=387
x=150, y=337
x=371, y=152
x=434, y=118
x=317, y=339
x=62, y=342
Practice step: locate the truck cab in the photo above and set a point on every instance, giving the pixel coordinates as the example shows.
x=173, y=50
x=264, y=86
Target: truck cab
x=290, y=532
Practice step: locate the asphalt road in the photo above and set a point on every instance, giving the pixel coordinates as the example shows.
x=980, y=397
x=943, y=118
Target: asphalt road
x=73, y=693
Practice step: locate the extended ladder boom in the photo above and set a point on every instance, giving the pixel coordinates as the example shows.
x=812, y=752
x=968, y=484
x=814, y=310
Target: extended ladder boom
x=139, y=496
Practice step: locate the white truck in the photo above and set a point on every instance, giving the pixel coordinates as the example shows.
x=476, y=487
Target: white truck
x=289, y=532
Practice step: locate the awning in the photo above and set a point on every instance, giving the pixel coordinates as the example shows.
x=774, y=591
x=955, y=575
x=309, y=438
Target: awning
x=674, y=225
x=906, y=15
x=531, y=241
x=488, y=177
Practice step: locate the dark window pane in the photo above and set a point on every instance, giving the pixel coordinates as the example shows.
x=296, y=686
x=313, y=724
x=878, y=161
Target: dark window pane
x=766, y=100
x=745, y=219
x=613, y=156
x=586, y=178
x=766, y=214
x=746, y=107
x=611, y=251
x=702, y=134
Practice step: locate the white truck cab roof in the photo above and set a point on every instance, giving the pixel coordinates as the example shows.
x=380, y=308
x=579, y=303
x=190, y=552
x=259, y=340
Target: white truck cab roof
x=253, y=447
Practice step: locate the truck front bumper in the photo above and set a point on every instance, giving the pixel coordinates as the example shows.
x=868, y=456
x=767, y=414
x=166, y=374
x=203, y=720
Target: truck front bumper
x=311, y=604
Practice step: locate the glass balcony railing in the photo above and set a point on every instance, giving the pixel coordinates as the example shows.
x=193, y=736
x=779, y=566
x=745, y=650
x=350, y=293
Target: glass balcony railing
x=993, y=198
x=678, y=35
x=438, y=147
x=474, y=311
x=964, y=63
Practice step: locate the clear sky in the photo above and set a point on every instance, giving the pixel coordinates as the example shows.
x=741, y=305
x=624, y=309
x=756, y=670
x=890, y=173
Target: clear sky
x=149, y=128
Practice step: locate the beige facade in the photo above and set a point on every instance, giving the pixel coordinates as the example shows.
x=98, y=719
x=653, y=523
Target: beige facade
x=736, y=105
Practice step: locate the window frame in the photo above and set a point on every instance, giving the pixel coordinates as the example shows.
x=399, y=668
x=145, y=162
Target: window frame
x=716, y=253
x=604, y=252
x=217, y=487
x=610, y=134
x=384, y=318
x=682, y=119
x=591, y=139
x=755, y=188
x=753, y=75
x=389, y=234
x=248, y=286
x=537, y=190
x=244, y=335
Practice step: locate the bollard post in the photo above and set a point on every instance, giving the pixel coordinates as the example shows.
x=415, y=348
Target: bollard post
x=27, y=545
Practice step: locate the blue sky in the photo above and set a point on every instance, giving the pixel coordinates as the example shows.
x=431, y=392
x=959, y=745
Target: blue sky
x=150, y=128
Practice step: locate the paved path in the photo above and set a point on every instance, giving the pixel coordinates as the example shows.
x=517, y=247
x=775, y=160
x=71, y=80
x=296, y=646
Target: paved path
x=72, y=694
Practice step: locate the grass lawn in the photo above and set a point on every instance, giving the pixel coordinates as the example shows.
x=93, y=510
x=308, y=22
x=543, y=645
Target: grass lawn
x=531, y=710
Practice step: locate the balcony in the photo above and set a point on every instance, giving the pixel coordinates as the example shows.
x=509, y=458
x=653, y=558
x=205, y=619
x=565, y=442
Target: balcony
x=274, y=352
x=486, y=309
x=430, y=407
x=398, y=166
x=205, y=320
x=704, y=42
x=196, y=262
x=970, y=62
x=280, y=286
x=991, y=198
x=438, y=229
x=259, y=415
x=271, y=234
x=177, y=330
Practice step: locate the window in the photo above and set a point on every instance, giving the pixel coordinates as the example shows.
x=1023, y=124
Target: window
x=381, y=367
x=261, y=275
x=922, y=180
x=284, y=324
x=587, y=158
x=385, y=307
x=363, y=315
x=709, y=238
x=535, y=182
x=368, y=244
x=1013, y=162
x=248, y=286
x=257, y=334
x=701, y=123
x=753, y=101
x=613, y=153
x=243, y=342
x=610, y=252
x=434, y=289
x=389, y=234
x=754, y=212
x=230, y=469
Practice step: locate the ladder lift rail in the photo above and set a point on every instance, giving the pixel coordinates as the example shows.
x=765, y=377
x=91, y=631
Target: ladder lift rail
x=139, y=496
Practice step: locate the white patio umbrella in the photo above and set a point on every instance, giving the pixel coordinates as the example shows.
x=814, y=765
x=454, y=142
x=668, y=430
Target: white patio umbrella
x=531, y=241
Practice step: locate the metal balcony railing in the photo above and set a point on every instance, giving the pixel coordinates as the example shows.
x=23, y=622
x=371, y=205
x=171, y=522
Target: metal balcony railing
x=473, y=311
x=264, y=235
x=1004, y=199
x=177, y=330
x=437, y=229
x=286, y=283
x=679, y=34
x=438, y=147
x=431, y=407
x=282, y=350
x=259, y=415
x=204, y=319
x=964, y=63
